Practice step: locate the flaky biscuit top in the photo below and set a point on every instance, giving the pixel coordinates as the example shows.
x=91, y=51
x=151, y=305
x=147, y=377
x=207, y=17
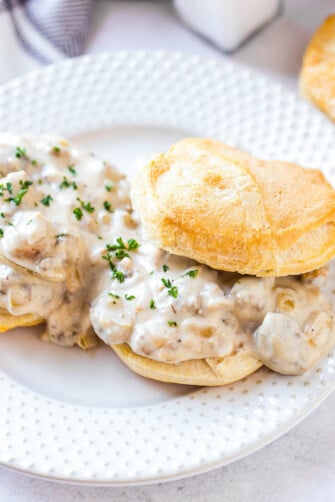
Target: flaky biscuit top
x=223, y=207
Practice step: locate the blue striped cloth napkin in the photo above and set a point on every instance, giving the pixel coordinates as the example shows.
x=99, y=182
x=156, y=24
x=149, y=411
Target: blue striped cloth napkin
x=37, y=32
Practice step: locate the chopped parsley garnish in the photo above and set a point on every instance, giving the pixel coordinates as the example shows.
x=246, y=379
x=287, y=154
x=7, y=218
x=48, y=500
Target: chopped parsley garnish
x=39, y=181
x=192, y=273
x=119, y=245
x=21, y=193
x=78, y=213
x=129, y=297
x=165, y=268
x=117, y=274
x=20, y=152
x=34, y=162
x=56, y=149
x=172, y=323
x=108, y=206
x=120, y=254
x=118, y=251
x=87, y=206
x=1, y=233
x=113, y=295
x=67, y=184
x=132, y=244
x=8, y=187
x=166, y=282
x=60, y=236
x=109, y=188
x=46, y=200
x=2, y=215
x=72, y=170
x=152, y=304
x=108, y=258
x=172, y=290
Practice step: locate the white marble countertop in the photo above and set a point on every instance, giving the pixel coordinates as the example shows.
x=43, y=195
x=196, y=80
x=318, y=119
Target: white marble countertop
x=299, y=466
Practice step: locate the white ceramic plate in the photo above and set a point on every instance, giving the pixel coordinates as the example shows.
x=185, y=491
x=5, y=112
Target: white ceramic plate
x=78, y=416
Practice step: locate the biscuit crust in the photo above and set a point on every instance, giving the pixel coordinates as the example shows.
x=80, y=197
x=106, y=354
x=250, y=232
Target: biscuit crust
x=9, y=321
x=317, y=77
x=231, y=211
x=202, y=372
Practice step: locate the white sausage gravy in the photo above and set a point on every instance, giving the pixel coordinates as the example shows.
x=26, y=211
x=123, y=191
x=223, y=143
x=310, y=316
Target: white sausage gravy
x=58, y=208
x=72, y=252
x=172, y=309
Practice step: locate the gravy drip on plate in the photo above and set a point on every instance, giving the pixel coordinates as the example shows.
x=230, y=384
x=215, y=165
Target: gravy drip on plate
x=58, y=207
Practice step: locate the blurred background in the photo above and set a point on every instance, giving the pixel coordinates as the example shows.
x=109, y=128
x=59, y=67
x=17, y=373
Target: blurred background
x=268, y=35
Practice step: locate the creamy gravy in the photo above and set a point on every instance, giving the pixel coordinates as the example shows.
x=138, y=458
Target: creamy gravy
x=58, y=208
x=172, y=309
x=72, y=252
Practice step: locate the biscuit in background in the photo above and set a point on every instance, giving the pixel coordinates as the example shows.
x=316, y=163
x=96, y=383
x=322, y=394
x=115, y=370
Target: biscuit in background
x=317, y=77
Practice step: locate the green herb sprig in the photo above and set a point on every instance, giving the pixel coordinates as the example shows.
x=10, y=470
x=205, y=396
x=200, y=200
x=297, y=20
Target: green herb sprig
x=172, y=290
x=46, y=200
x=118, y=251
x=108, y=206
x=72, y=170
x=21, y=193
x=87, y=206
x=191, y=273
x=68, y=184
x=78, y=213
x=20, y=152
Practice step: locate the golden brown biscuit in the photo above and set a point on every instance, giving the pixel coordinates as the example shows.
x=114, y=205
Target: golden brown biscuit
x=9, y=321
x=317, y=78
x=229, y=210
x=203, y=372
